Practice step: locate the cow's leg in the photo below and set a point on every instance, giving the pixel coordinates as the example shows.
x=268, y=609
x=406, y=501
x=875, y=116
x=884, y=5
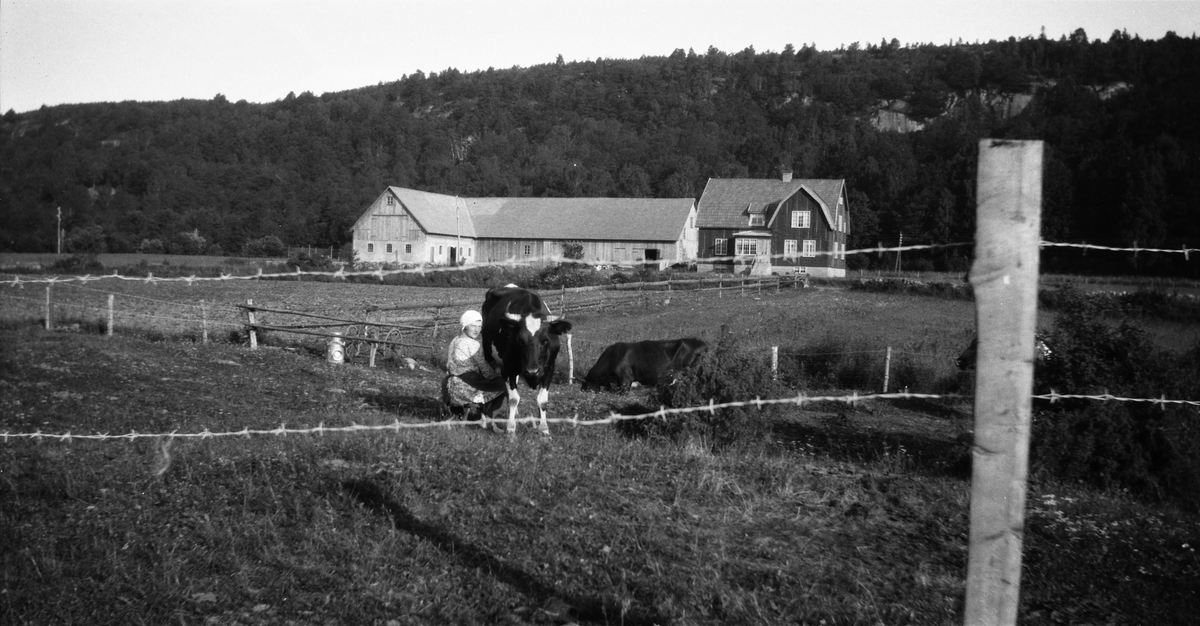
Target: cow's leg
x=543, y=397
x=514, y=401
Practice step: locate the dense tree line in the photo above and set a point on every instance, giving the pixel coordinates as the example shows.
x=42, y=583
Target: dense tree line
x=1118, y=116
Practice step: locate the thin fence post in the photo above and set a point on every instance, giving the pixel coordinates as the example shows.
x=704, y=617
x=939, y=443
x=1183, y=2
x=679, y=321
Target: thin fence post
x=774, y=362
x=47, y=307
x=250, y=322
x=109, y=329
x=1004, y=276
x=437, y=316
x=570, y=361
x=887, y=368
x=203, y=322
x=562, y=301
x=721, y=287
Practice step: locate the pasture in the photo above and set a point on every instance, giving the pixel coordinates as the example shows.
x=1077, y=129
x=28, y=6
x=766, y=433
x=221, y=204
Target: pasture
x=851, y=514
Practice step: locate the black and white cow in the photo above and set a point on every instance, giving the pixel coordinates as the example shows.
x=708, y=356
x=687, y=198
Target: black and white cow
x=966, y=360
x=518, y=326
x=648, y=362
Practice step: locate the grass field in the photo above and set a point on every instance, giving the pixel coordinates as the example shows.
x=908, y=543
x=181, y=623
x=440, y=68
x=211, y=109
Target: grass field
x=849, y=515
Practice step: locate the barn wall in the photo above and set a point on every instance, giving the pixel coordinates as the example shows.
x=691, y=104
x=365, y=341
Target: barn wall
x=384, y=225
x=606, y=252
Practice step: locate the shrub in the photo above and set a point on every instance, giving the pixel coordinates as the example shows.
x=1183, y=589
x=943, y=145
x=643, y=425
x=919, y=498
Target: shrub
x=831, y=362
x=1150, y=450
x=311, y=262
x=723, y=374
x=77, y=263
x=266, y=247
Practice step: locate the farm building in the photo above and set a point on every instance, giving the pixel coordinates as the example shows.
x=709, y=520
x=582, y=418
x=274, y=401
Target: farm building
x=414, y=227
x=763, y=226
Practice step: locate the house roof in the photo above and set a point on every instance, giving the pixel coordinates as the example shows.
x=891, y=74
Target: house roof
x=628, y=219
x=727, y=201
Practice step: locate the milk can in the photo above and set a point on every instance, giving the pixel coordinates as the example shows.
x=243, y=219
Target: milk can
x=337, y=349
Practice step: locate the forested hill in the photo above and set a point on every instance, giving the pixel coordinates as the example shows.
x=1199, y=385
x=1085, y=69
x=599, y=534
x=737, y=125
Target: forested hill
x=1121, y=119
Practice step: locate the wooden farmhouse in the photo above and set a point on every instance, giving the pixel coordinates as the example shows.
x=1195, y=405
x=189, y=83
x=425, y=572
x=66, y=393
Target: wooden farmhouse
x=765, y=226
x=406, y=226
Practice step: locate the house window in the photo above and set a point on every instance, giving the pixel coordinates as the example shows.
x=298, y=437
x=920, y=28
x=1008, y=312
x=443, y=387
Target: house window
x=439, y=251
x=370, y=247
x=389, y=248
x=801, y=219
x=528, y=249
x=468, y=253
x=789, y=248
x=721, y=247
x=810, y=248
x=756, y=220
x=745, y=246
x=408, y=248
x=391, y=200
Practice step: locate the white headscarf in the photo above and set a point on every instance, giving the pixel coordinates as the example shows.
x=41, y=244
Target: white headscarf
x=470, y=317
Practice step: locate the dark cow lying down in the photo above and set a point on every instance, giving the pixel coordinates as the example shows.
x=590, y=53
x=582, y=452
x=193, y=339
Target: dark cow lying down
x=649, y=363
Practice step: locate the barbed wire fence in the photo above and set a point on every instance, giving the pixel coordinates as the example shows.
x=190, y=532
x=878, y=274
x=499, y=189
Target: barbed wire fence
x=409, y=320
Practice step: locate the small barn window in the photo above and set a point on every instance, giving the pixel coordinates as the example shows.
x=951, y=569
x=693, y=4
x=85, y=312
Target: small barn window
x=721, y=247
x=528, y=249
x=408, y=248
x=810, y=248
x=801, y=219
x=391, y=200
x=439, y=250
x=789, y=248
x=756, y=219
x=370, y=247
x=389, y=248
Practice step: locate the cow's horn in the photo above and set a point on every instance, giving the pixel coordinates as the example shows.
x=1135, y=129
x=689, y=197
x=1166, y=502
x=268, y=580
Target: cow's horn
x=553, y=318
x=512, y=316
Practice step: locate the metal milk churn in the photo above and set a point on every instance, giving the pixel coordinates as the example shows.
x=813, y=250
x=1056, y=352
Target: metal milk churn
x=337, y=349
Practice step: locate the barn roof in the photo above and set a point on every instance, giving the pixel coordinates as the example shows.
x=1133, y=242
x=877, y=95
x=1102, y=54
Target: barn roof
x=436, y=213
x=727, y=201
x=619, y=219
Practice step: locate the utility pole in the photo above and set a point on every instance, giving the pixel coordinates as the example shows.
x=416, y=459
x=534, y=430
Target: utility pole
x=58, y=231
x=898, y=246
x=457, y=235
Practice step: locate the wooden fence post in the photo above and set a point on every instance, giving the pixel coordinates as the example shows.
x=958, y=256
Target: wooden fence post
x=570, y=361
x=774, y=362
x=437, y=316
x=1004, y=276
x=251, y=322
x=204, y=322
x=109, y=329
x=887, y=368
x=47, y=307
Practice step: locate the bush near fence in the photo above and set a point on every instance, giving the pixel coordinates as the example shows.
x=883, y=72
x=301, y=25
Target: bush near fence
x=1151, y=451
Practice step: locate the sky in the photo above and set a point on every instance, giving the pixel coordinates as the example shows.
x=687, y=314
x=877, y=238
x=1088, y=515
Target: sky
x=74, y=51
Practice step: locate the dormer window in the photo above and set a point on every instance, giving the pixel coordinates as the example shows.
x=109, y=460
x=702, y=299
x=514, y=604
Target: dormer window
x=756, y=219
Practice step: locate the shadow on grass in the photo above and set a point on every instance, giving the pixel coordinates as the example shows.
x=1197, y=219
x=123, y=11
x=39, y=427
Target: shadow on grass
x=582, y=608
x=419, y=405
x=846, y=443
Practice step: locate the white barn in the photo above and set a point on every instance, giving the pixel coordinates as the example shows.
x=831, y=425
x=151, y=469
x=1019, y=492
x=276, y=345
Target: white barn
x=406, y=226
